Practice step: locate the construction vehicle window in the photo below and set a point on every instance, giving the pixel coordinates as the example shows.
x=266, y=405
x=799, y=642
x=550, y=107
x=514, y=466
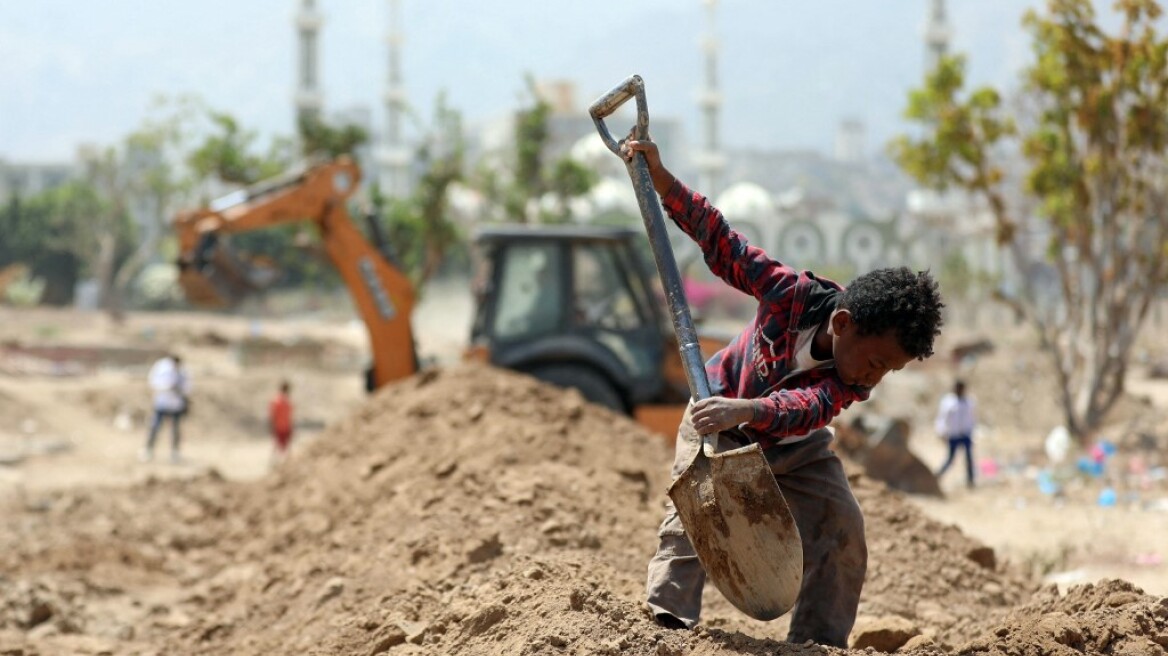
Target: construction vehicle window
x=600, y=289
x=531, y=299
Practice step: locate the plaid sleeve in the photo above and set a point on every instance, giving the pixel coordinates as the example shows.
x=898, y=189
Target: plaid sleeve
x=799, y=411
x=727, y=254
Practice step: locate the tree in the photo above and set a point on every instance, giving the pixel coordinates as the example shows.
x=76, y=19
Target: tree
x=226, y=153
x=36, y=236
x=320, y=138
x=155, y=183
x=520, y=193
x=420, y=230
x=112, y=222
x=1093, y=135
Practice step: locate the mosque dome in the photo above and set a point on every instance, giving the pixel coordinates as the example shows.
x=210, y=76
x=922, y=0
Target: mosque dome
x=610, y=194
x=745, y=200
x=590, y=151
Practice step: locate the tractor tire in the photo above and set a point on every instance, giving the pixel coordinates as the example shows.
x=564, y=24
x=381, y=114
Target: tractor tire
x=592, y=386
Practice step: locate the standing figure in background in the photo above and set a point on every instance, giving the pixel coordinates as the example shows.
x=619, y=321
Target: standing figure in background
x=172, y=387
x=955, y=422
x=280, y=422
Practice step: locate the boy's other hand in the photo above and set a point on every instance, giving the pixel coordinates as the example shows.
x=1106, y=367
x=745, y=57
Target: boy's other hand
x=719, y=413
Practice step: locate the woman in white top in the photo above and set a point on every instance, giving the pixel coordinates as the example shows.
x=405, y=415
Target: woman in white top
x=955, y=422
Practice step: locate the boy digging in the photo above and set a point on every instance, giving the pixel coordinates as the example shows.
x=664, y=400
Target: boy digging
x=812, y=349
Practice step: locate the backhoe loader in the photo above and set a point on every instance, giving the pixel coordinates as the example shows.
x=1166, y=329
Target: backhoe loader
x=571, y=305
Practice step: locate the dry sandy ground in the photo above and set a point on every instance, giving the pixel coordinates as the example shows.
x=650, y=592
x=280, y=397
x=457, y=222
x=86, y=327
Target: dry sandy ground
x=74, y=435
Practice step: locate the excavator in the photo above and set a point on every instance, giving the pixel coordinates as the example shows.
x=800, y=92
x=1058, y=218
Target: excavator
x=575, y=306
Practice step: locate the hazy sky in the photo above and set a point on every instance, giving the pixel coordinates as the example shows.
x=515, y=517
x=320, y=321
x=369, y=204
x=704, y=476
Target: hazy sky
x=74, y=71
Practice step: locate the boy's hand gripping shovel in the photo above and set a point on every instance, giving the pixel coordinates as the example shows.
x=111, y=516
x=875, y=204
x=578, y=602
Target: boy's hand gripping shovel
x=729, y=502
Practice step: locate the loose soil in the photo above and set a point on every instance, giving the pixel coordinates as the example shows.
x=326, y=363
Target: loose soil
x=469, y=510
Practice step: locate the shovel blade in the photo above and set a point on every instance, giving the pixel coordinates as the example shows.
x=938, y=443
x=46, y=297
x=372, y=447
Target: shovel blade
x=742, y=530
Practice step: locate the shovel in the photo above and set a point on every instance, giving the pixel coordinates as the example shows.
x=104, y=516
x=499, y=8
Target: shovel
x=729, y=502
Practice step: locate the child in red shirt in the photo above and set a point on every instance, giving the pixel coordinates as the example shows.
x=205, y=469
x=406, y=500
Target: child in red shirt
x=280, y=421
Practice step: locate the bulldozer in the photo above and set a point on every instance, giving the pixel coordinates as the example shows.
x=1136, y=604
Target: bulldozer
x=574, y=306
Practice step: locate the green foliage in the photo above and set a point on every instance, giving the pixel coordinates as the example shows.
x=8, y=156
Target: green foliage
x=516, y=188
x=531, y=135
x=318, y=138
x=568, y=180
x=295, y=250
x=956, y=276
x=58, y=234
x=24, y=290
x=226, y=153
x=960, y=134
x=1094, y=134
x=419, y=228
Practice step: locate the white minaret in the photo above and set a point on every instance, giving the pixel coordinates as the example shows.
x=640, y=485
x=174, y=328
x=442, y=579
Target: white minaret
x=710, y=160
x=393, y=157
x=309, y=100
x=937, y=34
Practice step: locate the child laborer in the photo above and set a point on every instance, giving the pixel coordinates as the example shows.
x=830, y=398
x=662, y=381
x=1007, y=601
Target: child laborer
x=812, y=349
x=280, y=422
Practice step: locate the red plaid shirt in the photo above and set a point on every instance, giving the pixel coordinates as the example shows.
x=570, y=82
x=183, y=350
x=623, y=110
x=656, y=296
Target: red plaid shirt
x=757, y=363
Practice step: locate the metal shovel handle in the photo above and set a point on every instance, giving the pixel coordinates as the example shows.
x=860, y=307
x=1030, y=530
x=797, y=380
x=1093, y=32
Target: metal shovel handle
x=651, y=214
x=633, y=86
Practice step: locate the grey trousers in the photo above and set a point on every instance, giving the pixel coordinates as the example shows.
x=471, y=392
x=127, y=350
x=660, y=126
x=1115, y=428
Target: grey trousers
x=835, y=555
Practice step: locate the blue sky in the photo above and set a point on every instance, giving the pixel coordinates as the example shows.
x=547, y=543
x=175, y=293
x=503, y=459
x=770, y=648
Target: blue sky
x=73, y=71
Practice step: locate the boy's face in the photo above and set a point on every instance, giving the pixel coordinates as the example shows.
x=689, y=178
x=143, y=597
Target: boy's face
x=864, y=359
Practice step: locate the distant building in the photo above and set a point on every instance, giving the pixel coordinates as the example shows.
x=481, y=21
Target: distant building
x=850, y=142
x=815, y=222
x=17, y=179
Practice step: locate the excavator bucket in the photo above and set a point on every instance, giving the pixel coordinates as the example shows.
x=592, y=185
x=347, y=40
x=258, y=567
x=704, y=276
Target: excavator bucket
x=742, y=529
x=216, y=276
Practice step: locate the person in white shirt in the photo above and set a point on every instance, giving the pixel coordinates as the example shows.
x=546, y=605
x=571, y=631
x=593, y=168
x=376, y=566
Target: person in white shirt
x=171, y=386
x=955, y=422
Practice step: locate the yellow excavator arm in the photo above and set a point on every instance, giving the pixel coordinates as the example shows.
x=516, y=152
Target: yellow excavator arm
x=211, y=275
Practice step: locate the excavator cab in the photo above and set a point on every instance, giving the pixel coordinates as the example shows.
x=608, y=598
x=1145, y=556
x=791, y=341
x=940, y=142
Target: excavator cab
x=572, y=306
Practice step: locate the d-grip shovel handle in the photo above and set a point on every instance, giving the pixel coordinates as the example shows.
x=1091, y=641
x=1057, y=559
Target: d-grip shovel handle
x=683, y=327
x=633, y=86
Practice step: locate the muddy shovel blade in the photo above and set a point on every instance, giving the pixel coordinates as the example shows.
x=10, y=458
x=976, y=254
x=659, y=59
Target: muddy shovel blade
x=742, y=530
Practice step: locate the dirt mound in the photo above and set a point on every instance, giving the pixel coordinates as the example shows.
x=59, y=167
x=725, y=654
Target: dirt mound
x=1112, y=617
x=932, y=574
x=464, y=511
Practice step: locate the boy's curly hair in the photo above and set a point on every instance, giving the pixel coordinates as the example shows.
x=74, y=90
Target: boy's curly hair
x=900, y=300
